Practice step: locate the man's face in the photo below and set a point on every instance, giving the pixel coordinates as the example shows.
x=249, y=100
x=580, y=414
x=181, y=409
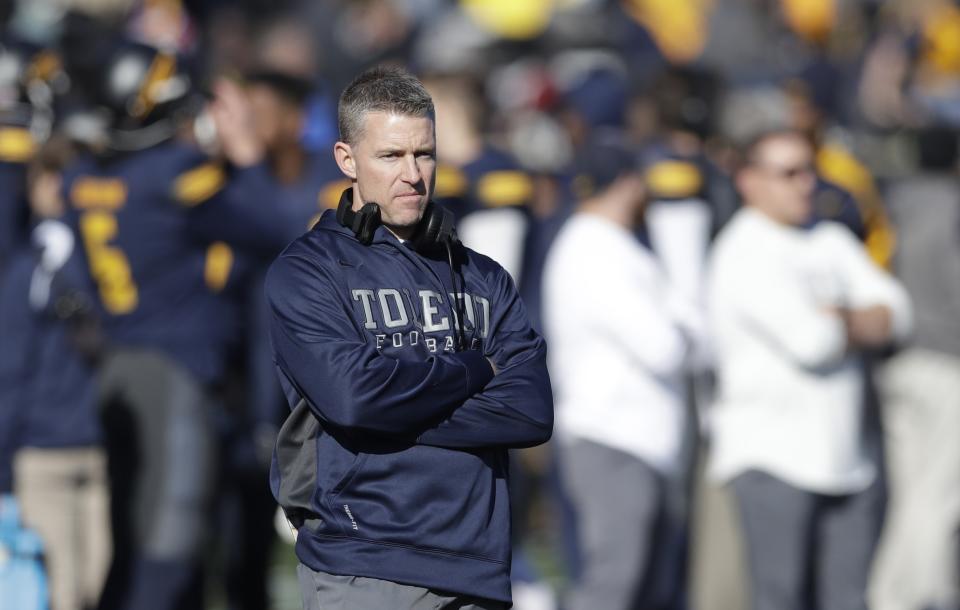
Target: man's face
x=781, y=179
x=393, y=163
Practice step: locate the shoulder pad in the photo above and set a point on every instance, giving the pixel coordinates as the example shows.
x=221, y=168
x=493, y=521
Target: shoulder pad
x=838, y=166
x=505, y=187
x=673, y=179
x=451, y=182
x=94, y=192
x=16, y=145
x=195, y=186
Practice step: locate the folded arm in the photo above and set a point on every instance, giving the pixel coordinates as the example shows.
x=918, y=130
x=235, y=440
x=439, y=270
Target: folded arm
x=515, y=409
x=346, y=381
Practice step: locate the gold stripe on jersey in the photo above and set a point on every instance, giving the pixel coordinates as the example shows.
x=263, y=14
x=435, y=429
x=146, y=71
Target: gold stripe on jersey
x=673, y=179
x=217, y=266
x=451, y=182
x=197, y=185
x=839, y=166
x=89, y=192
x=504, y=187
x=16, y=145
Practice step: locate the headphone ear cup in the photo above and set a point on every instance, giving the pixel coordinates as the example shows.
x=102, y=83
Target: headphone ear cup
x=436, y=227
x=365, y=223
x=345, y=213
x=429, y=229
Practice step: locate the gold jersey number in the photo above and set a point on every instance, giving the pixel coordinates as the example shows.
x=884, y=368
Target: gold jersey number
x=108, y=264
x=97, y=199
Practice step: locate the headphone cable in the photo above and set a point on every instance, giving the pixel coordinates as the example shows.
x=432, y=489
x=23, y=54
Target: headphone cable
x=458, y=295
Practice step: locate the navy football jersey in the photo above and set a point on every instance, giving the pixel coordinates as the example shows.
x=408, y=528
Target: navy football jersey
x=319, y=187
x=159, y=228
x=491, y=180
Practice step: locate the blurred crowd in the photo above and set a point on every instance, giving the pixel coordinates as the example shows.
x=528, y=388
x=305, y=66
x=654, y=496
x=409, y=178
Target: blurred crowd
x=736, y=222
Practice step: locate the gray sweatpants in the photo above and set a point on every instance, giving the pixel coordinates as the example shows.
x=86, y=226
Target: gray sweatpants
x=166, y=414
x=323, y=591
x=162, y=461
x=807, y=551
x=626, y=542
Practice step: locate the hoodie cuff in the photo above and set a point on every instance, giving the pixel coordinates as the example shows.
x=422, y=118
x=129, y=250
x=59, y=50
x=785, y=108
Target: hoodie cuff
x=479, y=371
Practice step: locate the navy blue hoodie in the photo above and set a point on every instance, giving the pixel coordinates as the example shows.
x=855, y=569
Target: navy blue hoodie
x=393, y=462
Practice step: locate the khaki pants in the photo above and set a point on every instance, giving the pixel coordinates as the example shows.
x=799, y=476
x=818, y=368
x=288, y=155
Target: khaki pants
x=916, y=565
x=63, y=496
x=718, y=567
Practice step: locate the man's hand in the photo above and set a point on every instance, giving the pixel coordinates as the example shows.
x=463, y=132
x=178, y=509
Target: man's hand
x=233, y=117
x=868, y=327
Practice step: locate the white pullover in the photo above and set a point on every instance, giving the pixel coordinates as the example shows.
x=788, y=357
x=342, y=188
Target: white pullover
x=616, y=350
x=790, y=394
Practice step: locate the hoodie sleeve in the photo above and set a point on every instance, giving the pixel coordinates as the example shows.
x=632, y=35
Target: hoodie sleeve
x=346, y=381
x=515, y=409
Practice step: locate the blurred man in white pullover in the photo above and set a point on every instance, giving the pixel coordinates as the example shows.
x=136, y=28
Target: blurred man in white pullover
x=616, y=357
x=792, y=305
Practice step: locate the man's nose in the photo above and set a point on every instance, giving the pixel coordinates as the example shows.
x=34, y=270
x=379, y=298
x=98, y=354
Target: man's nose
x=410, y=171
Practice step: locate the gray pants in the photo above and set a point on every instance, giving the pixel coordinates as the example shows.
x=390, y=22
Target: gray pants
x=167, y=414
x=619, y=504
x=807, y=550
x=161, y=447
x=323, y=591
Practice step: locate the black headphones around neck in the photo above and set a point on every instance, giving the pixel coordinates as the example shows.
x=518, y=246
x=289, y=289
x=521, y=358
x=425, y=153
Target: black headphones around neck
x=435, y=230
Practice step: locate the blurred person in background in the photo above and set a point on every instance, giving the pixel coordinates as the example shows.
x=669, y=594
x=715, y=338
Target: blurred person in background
x=479, y=182
x=157, y=220
x=690, y=198
x=619, y=343
x=847, y=191
x=18, y=144
x=265, y=115
x=592, y=89
x=28, y=78
x=792, y=308
x=916, y=565
x=47, y=367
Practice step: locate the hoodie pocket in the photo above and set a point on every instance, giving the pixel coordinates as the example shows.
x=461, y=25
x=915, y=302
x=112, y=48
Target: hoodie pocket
x=430, y=498
x=335, y=468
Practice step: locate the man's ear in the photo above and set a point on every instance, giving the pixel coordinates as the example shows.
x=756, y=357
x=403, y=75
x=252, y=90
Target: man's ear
x=343, y=153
